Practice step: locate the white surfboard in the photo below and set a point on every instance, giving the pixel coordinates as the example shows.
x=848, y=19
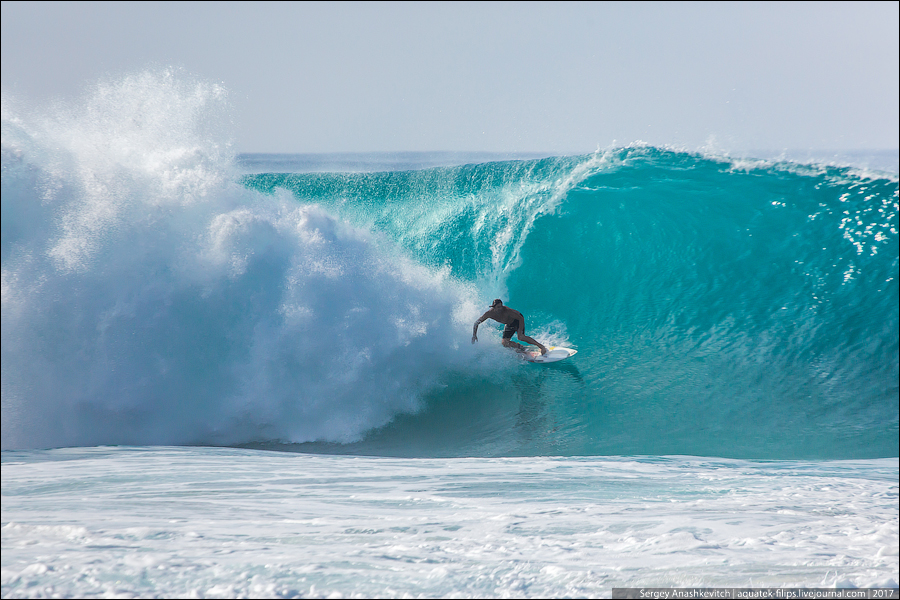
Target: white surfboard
x=554, y=353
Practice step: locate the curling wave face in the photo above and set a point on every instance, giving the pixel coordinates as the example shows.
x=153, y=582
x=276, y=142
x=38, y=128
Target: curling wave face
x=722, y=307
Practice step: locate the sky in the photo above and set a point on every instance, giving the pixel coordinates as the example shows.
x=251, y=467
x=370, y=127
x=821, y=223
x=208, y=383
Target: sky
x=494, y=77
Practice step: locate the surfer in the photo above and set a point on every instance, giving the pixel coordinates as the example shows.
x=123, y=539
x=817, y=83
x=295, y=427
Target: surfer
x=515, y=323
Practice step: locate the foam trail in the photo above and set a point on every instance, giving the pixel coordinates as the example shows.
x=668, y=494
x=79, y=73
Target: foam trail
x=148, y=299
x=214, y=522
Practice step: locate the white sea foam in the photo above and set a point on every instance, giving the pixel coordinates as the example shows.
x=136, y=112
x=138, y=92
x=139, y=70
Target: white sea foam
x=150, y=298
x=221, y=522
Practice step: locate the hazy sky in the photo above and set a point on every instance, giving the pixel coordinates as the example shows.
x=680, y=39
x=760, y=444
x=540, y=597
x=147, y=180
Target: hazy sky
x=560, y=77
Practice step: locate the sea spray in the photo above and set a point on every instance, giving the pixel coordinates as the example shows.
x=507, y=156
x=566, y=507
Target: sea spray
x=150, y=299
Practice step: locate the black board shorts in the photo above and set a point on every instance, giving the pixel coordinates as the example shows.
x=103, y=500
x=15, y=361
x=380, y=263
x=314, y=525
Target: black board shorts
x=510, y=329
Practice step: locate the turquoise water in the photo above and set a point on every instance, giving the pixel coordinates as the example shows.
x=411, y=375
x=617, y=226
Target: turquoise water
x=720, y=307
x=160, y=290
x=171, y=311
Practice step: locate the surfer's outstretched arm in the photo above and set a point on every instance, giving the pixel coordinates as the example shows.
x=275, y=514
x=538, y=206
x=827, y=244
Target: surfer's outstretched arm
x=483, y=318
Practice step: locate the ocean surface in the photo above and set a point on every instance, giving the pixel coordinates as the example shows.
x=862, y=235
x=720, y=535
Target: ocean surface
x=251, y=374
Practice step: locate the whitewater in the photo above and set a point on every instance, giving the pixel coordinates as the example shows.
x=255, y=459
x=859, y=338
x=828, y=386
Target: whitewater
x=251, y=375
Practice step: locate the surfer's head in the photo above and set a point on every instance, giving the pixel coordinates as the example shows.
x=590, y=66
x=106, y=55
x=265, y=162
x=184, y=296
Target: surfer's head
x=496, y=303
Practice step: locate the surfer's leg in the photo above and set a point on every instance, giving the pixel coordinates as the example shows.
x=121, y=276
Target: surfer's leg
x=508, y=343
x=531, y=340
x=508, y=332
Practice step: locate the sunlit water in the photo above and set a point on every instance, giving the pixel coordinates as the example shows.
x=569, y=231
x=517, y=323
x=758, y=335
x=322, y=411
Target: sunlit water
x=173, y=313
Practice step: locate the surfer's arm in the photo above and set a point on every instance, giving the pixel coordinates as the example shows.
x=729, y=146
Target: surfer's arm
x=483, y=318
